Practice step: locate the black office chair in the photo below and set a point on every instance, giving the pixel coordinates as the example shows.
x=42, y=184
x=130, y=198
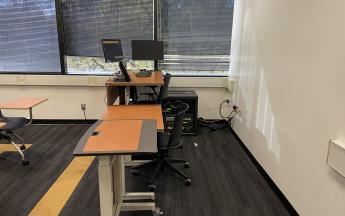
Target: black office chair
x=7, y=133
x=157, y=98
x=165, y=143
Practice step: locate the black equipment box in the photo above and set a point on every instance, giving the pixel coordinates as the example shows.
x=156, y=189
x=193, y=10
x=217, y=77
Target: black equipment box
x=190, y=123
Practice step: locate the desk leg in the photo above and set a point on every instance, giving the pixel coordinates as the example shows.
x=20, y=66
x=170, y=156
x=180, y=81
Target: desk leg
x=109, y=193
x=111, y=175
x=130, y=163
x=122, y=95
x=133, y=195
x=112, y=94
x=133, y=94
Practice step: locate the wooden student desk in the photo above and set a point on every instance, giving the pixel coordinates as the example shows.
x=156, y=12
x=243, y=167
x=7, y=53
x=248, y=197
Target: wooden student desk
x=110, y=141
x=23, y=103
x=117, y=89
x=26, y=103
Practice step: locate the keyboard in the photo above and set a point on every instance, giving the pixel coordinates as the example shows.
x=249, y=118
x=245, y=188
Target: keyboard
x=144, y=73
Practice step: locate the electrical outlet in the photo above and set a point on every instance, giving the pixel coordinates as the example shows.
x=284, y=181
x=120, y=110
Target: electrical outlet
x=83, y=106
x=235, y=109
x=239, y=113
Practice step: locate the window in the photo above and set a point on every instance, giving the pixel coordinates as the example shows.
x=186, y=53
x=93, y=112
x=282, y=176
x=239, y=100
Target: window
x=197, y=36
x=87, y=22
x=28, y=36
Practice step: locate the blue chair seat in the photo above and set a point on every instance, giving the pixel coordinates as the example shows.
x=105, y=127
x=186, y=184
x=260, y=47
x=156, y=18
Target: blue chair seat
x=13, y=123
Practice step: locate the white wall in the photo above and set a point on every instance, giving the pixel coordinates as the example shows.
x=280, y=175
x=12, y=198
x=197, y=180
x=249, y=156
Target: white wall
x=288, y=60
x=66, y=93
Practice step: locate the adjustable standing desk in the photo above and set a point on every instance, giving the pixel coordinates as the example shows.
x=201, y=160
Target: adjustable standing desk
x=117, y=89
x=149, y=111
x=110, y=141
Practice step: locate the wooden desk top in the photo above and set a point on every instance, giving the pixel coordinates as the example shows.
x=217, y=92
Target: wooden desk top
x=139, y=112
x=23, y=103
x=118, y=137
x=2, y=125
x=155, y=79
x=108, y=130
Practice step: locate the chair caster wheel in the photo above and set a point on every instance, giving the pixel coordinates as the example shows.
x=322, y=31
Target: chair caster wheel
x=25, y=162
x=152, y=187
x=157, y=212
x=22, y=147
x=188, y=182
x=134, y=172
x=186, y=165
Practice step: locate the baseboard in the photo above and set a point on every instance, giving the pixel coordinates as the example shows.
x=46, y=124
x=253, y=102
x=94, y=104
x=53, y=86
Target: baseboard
x=277, y=191
x=63, y=121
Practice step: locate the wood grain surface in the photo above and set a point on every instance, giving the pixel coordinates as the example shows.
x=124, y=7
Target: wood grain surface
x=155, y=79
x=23, y=103
x=115, y=136
x=143, y=112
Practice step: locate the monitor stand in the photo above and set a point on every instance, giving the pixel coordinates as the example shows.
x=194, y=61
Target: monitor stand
x=118, y=77
x=122, y=75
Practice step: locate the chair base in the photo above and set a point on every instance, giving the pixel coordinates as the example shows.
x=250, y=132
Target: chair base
x=21, y=149
x=160, y=164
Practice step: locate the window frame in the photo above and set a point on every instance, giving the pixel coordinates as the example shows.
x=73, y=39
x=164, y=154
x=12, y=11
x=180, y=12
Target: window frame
x=63, y=61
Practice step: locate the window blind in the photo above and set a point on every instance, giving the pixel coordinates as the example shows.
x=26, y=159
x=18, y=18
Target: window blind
x=196, y=33
x=87, y=22
x=28, y=36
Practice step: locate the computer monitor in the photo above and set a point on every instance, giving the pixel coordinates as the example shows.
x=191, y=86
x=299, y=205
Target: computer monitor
x=147, y=50
x=112, y=50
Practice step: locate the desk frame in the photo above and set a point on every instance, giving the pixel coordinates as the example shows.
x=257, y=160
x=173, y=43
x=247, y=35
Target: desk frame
x=111, y=173
x=113, y=193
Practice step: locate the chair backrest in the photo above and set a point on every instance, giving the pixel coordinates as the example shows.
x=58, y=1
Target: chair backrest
x=163, y=92
x=178, y=124
x=2, y=117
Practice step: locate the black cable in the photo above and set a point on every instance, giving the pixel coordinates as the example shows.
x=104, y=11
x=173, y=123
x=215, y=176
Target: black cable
x=221, y=108
x=84, y=114
x=218, y=123
x=214, y=124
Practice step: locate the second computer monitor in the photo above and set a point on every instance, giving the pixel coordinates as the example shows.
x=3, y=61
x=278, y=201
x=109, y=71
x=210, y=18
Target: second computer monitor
x=147, y=50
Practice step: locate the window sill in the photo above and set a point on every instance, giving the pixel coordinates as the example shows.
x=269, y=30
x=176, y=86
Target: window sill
x=98, y=81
